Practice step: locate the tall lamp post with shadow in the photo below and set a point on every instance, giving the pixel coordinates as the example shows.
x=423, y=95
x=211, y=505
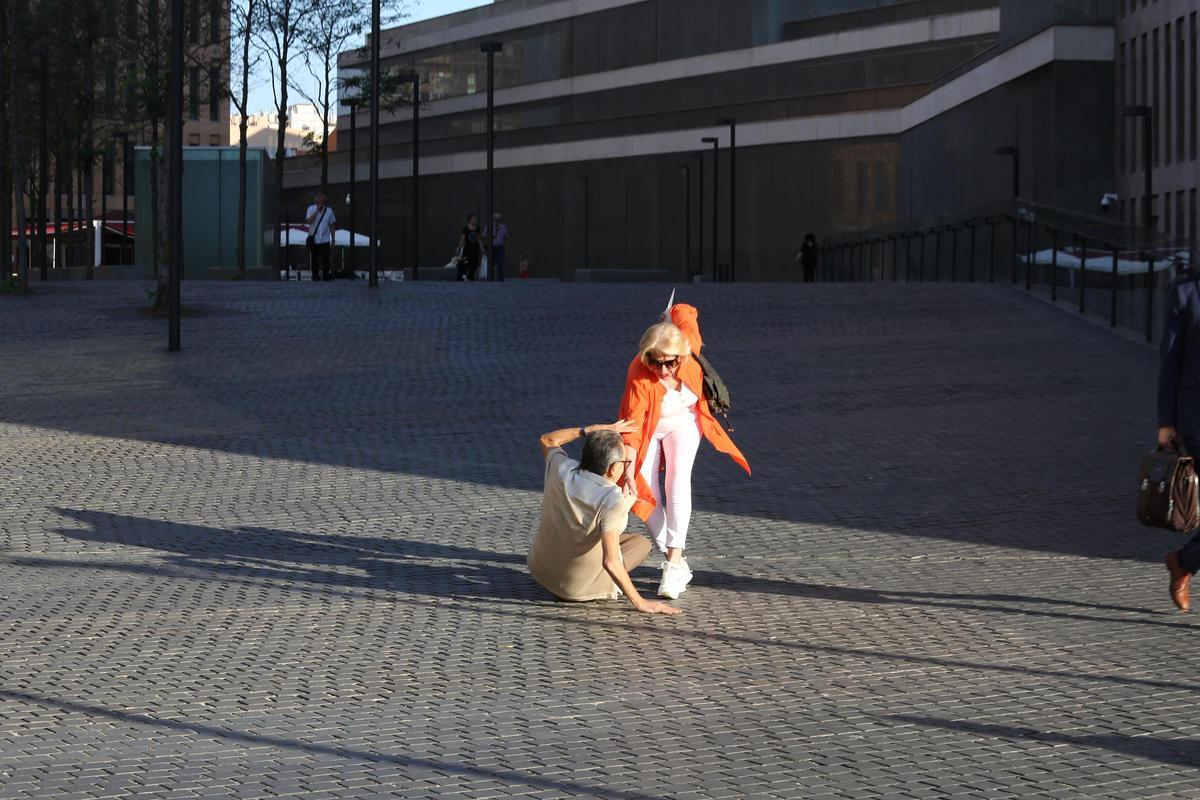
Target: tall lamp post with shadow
x=716, y=143
x=374, y=278
x=352, y=104
x=732, y=123
x=491, y=47
x=1015, y=152
x=415, y=79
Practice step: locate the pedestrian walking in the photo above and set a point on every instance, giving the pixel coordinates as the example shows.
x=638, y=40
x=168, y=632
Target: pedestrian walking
x=664, y=395
x=581, y=551
x=1179, y=410
x=807, y=257
x=468, y=249
x=497, y=242
x=321, y=223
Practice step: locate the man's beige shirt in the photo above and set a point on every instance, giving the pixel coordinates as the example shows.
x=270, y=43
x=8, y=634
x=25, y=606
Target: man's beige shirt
x=577, y=508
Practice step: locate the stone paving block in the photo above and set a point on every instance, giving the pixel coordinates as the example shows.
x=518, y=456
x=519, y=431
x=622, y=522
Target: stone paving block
x=289, y=560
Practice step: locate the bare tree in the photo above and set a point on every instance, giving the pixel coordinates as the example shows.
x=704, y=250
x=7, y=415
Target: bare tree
x=243, y=14
x=277, y=29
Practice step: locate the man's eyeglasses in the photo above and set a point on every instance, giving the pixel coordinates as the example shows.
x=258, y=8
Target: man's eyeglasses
x=666, y=362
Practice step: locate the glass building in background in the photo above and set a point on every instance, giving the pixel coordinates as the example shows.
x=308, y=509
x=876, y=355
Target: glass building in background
x=850, y=114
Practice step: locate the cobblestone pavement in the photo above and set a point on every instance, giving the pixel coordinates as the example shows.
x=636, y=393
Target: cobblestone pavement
x=289, y=560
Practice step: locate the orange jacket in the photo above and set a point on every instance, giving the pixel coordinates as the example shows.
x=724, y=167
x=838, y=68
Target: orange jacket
x=643, y=398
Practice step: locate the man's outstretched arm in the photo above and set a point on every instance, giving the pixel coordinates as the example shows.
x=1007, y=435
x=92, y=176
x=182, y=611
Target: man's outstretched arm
x=614, y=565
x=564, y=436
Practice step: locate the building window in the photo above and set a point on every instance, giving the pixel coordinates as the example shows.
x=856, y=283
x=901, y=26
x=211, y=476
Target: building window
x=194, y=93
x=1180, y=92
x=1195, y=104
x=1167, y=96
x=214, y=21
x=193, y=139
x=216, y=92
x=1156, y=121
x=214, y=139
x=194, y=21
x=1180, y=220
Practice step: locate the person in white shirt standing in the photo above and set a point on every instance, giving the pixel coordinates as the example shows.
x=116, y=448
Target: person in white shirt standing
x=321, y=224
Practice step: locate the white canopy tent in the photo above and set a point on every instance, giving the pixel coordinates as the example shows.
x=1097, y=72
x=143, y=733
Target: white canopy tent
x=296, y=235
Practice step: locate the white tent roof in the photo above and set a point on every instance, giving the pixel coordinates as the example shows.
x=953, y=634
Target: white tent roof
x=295, y=236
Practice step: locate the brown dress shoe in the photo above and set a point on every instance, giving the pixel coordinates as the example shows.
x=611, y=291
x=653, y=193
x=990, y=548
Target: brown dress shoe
x=1179, y=582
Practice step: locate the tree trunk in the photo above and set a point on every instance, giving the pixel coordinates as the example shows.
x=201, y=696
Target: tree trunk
x=6, y=181
x=56, y=244
x=243, y=124
x=17, y=156
x=281, y=251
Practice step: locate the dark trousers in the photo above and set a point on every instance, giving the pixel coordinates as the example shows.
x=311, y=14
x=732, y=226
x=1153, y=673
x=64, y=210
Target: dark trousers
x=810, y=273
x=1189, y=554
x=318, y=262
x=496, y=262
x=467, y=268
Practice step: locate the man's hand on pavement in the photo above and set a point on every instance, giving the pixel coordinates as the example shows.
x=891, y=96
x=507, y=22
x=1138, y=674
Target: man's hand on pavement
x=658, y=607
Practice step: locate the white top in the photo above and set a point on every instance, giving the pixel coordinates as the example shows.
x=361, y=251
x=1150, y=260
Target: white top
x=320, y=232
x=678, y=403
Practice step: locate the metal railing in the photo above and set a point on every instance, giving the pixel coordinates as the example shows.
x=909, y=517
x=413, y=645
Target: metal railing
x=1094, y=264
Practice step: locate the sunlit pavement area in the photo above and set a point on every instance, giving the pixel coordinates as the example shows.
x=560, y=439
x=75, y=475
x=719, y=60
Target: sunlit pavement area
x=289, y=560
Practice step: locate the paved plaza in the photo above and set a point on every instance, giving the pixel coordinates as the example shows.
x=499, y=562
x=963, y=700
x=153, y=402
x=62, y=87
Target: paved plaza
x=289, y=560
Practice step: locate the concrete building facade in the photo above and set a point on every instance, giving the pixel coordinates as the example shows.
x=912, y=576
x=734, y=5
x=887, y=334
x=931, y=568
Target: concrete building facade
x=1156, y=66
x=849, y=114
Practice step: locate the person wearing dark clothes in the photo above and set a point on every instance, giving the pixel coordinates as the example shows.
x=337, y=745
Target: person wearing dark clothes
x=468, y=248
x=1179, y=409
x=807, y=257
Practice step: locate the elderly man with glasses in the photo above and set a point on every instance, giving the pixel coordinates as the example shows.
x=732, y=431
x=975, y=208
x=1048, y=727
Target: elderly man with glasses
x=581, y=551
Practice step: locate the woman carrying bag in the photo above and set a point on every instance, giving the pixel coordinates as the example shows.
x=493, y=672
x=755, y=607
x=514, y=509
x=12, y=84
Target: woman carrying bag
x=664, y=394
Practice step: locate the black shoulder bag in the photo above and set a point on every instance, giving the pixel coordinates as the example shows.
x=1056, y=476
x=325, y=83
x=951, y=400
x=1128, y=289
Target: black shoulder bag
x=715, y=391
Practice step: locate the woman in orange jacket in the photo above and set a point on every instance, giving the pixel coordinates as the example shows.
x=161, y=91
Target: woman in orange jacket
x=664, y=395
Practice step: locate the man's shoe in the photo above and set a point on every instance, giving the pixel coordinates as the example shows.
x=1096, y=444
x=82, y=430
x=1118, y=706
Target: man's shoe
x=1180, y=578
x=674, y=580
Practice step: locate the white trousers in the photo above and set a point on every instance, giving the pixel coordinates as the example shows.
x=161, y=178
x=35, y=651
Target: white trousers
x=677, y=438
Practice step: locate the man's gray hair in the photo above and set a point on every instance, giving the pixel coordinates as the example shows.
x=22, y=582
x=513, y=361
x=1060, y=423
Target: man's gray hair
x=601, y=450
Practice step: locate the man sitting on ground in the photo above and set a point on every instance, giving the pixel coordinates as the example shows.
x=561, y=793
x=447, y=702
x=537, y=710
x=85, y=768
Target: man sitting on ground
x=581, y=551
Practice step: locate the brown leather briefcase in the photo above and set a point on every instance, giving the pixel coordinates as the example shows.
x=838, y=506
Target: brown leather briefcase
x=1168, y=495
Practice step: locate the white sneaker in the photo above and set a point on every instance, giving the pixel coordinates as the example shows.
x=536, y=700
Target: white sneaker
x=674, y=580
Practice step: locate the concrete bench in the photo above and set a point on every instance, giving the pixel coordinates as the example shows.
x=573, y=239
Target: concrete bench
x=621, y=275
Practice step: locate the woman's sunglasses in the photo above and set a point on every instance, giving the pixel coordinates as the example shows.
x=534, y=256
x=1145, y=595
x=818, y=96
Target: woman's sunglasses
x=666, y=362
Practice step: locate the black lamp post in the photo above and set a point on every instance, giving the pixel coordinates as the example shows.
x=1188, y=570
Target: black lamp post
x=732, y=123
x=491, y=47
x=686, y=170
x=699, y=216
x=373, y=281
x=1015, y=152
x=415, y=78
x=716, y=143
x=124, y=137
x=175, y=175
x=352, y=104
x=44, y=164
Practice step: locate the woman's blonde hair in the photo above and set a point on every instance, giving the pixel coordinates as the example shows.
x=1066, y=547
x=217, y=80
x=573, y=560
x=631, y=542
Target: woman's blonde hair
x=663, y=338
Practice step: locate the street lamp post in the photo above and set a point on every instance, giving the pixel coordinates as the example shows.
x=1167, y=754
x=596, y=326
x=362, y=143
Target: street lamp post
x=1015, y=152
x=491, y=47
x=716, y=143
x=373, y=281
x=732, y=123
x=415, y=78
x=687, y=220
x=699, y=215
x=124, y=137
x=44, y=163
x=352, y=104
x=175, y=176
